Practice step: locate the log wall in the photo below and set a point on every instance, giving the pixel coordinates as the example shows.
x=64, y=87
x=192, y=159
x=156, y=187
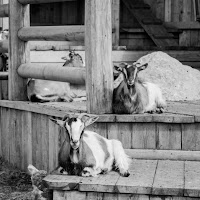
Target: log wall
x=30, y=137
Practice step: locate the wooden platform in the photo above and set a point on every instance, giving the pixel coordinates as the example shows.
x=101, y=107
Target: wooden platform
x=25, y=126
x=149, y=179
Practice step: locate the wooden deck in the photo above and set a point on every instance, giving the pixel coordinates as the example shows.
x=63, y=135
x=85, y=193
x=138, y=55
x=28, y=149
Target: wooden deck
x=176, y=112
x=149, y=179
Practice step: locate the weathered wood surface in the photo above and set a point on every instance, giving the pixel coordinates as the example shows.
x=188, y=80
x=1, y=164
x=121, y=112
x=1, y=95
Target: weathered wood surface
x=37, y=132
x=98, y=45
x=156, y=31
x=50, y=71
x=117, y=55
x=18, y=50
x=150, y=179
x=41, y=1
x=57, y=109
x=53, y=33
x=152, y=154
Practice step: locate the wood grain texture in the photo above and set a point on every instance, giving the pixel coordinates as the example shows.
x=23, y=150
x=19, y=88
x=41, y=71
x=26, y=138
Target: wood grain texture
x=191, y=137
x=98, y=45
x=52, y=33
x=143, y=136
x=18, y=50
x=169, y=136
x=151, y=154
x=103, y=183
x=47, y=71
x=169, y=178
x=142, y=174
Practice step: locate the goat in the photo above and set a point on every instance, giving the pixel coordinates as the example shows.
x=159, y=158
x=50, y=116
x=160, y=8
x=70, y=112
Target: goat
x=40, y=191
x=86, y=153
x=48, y=91
x=3, y=56
x=141, y=96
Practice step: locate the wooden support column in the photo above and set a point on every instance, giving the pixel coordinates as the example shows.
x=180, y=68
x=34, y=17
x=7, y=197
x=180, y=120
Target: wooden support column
x=19, y=52
x=98, y=50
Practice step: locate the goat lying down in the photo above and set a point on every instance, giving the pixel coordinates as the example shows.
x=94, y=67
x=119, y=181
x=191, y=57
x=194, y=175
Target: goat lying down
x=132, y=95
x=48, y=91
x=86, y=153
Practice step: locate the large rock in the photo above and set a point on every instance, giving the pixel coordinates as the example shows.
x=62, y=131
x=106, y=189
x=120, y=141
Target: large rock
x=177, y=81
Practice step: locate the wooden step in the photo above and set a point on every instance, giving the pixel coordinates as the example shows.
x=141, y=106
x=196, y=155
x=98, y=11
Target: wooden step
x=158, y=179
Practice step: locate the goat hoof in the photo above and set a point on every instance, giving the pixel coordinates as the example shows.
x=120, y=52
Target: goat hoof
x=126, y=174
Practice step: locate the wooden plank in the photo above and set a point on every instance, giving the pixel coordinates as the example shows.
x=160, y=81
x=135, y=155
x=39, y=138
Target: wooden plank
x=169, y=178
x=52, y=33
x=124, y=130
x=41, y=1
x=191, y=137
x=27, y=139
x=44, y=136
x=117, y=55
x=19, y=50
x=192, y=179
x=102, y=183
x=150, y=29
x=169, y=136
x=53, y=145
x=71, y=195
x=63, y=182
x=98, y=44
x=144, y=135
x=165, y=117
x=168, y=8
x=151, y=154
x=141, y=178
x=17, y=139
x=116, y=21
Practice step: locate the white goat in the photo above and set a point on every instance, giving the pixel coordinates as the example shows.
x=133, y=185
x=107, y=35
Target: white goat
x=86, y=153
x=48, y=91
x=141, y=96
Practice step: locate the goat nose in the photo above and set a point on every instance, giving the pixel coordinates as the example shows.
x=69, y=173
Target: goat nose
x=75, y=141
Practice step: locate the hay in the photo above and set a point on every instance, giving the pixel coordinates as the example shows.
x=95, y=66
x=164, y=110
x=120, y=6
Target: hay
x=178, y=82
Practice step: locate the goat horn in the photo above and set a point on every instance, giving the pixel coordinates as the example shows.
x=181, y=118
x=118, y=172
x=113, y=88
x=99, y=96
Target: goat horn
x=82, y=114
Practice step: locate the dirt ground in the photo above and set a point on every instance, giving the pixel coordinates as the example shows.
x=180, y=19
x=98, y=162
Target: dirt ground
x=14, y=184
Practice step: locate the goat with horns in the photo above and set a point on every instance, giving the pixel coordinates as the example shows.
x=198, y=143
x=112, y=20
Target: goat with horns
x=87, y=153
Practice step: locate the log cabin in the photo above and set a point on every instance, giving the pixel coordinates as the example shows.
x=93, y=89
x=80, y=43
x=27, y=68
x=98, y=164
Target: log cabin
x=165, y=148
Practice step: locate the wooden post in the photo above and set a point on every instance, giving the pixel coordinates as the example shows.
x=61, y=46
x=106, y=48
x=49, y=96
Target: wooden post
x=19, y=52
x=98, y=46
x=116, y=21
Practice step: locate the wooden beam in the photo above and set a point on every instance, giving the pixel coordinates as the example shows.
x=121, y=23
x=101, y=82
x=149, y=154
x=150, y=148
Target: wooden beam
x=150, y=154
x=98, y=49
x=53, y=33
x=4, y=10
x=41, y=1
x=19, y=16
x=183, y=25
x=116, y=21
x=54, y=72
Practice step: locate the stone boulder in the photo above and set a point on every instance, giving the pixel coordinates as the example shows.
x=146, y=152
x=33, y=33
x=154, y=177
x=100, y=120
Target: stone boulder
x=178, y=82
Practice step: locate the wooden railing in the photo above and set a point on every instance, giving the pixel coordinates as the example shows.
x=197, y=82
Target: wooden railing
x=98, y=52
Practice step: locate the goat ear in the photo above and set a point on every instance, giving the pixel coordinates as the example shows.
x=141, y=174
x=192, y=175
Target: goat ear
x=89, y=119
x=142, y=67
x=32, y=170
x=58, y=121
